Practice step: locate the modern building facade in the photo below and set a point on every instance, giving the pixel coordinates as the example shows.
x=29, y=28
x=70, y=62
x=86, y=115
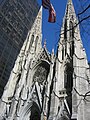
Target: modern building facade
x=43, y=86
x=16, y=18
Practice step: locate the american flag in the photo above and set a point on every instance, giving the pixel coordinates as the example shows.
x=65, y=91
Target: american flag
x=52, y=14
x=46, y=4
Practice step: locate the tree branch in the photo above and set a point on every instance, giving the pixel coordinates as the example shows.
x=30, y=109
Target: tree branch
x=84, y=96
x=76, y=24
x=84, y=10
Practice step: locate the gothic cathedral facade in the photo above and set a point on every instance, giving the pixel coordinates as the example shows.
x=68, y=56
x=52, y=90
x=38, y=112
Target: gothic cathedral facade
x=44, y=86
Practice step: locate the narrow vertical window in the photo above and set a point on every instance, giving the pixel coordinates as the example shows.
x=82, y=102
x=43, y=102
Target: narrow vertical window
x=63, y=53
x=65, y=79
x=36, y=41
x=32, y=40
x=72, y=49
x=71, y=29
x=65, y=49
x=71, y=36
x=65, y=29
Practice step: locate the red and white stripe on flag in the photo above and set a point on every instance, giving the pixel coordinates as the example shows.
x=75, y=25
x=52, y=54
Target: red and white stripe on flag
x=52, y=15
x=46, y=4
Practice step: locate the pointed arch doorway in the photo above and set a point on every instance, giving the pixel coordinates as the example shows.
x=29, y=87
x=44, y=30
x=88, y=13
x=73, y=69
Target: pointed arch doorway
x=35, y=112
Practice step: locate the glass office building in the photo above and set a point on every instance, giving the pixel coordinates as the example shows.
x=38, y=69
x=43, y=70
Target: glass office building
x=16, y=18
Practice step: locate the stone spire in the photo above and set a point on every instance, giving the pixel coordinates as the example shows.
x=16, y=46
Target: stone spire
x=37, y=26
x=69, y=21
x=69, y=1
x=31, y=46
x=70, y=8
x=69, y=12
x=36, y=31
x=70, y=55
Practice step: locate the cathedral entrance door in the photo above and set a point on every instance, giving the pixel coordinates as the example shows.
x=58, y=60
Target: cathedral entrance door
x=35, y=112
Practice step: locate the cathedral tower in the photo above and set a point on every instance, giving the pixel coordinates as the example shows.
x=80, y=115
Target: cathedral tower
x=72, y=70
x=17, y=89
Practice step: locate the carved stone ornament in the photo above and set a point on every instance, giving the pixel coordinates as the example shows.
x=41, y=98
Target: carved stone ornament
x=40, y=75
x=42, y=56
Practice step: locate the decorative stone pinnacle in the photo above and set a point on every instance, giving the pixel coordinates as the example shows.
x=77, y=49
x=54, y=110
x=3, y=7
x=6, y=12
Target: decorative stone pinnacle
x=44, y=43
x=70, y=1
x=53, y=51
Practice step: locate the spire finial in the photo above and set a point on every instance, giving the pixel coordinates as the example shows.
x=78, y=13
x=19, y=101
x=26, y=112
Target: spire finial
x=44, y=43
x=70, y=2
x=37, y=25
x=53, y=51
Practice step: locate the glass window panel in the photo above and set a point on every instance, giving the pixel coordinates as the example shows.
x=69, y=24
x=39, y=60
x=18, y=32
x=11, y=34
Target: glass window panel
x=0, y=52
x=8, y=15
x=1, y=33
x=25, y=32
x=36, y=41
x=2, y=65
x=2, y=81
x=5, y=7
x=4, y=23
x=10, y=43
x=12, y=20
x=1, y=47
x=2, y=43
x=32, y=40
x=8, y=31
x=1, y=17
x=4, y=39
x=11, y=9
x=1, y=1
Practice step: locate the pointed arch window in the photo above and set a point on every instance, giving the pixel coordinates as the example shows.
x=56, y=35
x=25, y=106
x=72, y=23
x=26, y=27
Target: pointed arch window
x=62, y=53
x=72, y=49
x=71, y=29
x=32, y=40
x=36, y=42
x=65, y=48
x=68, y=76
x=71, y=36
x=65, y=29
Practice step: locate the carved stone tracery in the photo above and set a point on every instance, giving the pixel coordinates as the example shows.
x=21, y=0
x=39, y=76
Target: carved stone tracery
x=42, y=56
x=40, y=75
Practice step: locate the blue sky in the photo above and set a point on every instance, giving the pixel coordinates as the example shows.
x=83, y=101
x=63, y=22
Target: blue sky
x=51, y=31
